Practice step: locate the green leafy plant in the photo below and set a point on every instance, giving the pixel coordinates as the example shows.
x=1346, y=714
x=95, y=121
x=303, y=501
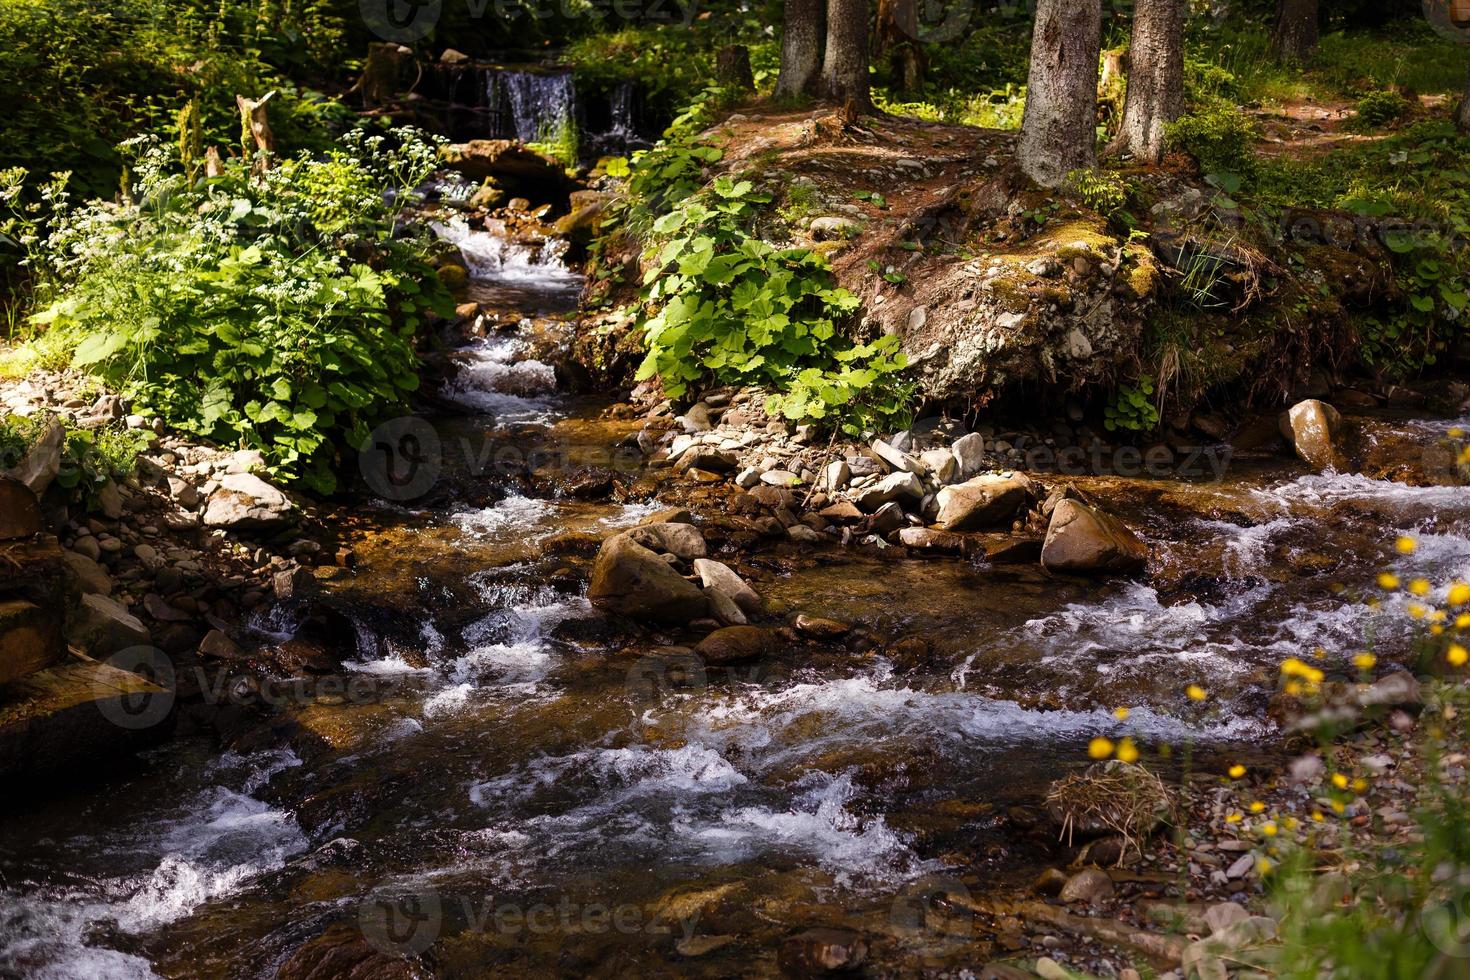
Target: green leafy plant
x=275, y=311
x=1100, y=190
x=1133, y=408
x=1218, y=135
x=89, y=457
x=725, y=305
x=1378, y=109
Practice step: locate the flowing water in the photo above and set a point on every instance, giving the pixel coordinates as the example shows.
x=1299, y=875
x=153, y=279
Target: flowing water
x=529, y=792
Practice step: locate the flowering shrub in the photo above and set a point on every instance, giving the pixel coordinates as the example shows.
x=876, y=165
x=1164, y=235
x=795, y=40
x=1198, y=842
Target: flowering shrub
x=275, y=311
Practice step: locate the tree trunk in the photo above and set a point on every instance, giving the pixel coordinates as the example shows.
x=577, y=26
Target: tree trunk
x=898, y=41
x=1059, y=129
x=256, y=127
x=732, y=68
x=1295, y=36
x=1155, y=78
x=845, y=68
x=801, y=48
x=1462, y=114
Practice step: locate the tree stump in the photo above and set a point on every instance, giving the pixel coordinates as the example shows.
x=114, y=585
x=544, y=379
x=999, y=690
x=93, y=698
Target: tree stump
x=256, y=127
x=732, y=68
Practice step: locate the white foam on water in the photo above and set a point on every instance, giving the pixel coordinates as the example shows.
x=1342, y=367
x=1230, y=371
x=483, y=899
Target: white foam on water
x=496, y=377
x=1246, y=547
x=517, y=516
x=491, y=258
x=1328, y=489
x=508, y=649
x=219, y=843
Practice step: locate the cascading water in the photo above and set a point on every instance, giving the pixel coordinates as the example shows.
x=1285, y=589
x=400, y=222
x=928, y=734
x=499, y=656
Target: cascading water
x=536, y=757
x=529, y=105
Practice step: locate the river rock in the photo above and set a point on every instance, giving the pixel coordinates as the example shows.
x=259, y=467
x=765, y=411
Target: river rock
x=42, y=461
x=822, y=629
x=820, y=952
x=983, y=501
x=101, y=627
x=702, y=457
x=834, y=476
x=733, y=644
x=941, y=463
x=630, y=580
x=89, y=576
x=896, y=460
x=245, y=501
x=969, y=454
x=1089, y=885
x=724, y=609
x=1083, y=539
x=1314, y=429
x=928, y=539
x=722, y=578
x=680, y=540
x=895, y=486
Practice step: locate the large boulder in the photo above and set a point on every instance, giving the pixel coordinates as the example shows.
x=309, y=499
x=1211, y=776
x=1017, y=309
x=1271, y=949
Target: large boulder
x=1314, y=429
x=101, y=626
x=723, y=579
x=680, y=540
x=1083, y=539
x=734, y=644
x=245, y=501
x=893, y=487
x=630, y=580
x=985, y=501
x=42, y=461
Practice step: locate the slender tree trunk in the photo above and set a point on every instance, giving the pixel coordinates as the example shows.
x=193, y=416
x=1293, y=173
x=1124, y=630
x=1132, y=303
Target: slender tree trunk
x=1462, y=114
x=801, y=47
x=845, y=68
x=897, y=40
x=1155, y=78
x=1059, y=129
x=732, y=68
x=1295, y=36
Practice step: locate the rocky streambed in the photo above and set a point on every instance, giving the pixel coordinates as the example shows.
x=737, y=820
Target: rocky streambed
x=624, y=691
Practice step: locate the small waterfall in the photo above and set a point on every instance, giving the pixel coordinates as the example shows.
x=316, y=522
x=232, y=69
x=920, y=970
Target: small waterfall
x=529, y=105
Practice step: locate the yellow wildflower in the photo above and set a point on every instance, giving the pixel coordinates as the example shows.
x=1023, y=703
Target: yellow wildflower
x=1359, y=785
x=1195, y=692
x=1263, y=866
x=1365, y=661
x=1459, y=594
x=1388, y=580
x=1233, y=818
x=1120, y=713
x=1269, y=828
x=1100, y=748
x=1127, y=751
x=1417, y=611
x=1462, y=621
x=1257, y=807
x=1236, y=771
x=1406, y=545
x=1339, y=780
x=1457, y=655
x=1420, y=586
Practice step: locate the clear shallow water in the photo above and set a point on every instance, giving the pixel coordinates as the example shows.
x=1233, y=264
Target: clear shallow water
x=524, y=759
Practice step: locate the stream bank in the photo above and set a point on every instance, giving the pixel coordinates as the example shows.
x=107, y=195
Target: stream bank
x=482, y=771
